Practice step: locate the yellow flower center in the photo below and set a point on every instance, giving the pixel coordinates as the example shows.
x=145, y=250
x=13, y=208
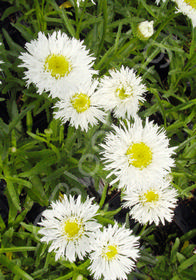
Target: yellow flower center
x=121, y=93
x=110, y=252
x=140, y=155
x=73, y=229
x=80, y=102
x=151, y=196
x=192, y=3
x=57, y=65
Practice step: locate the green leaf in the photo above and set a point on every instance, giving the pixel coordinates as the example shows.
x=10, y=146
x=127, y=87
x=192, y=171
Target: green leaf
x=14, y=268
x=20, y=116
x=1, y=275
x=65, y=18
x=182, y=107
x=180, y=257
x=13, y=46
x=174, y=250
x=26, y=208
x=2, y=224
x=66, y=277
x=17, y=249
x=188, y=275
x=19, y=181
x=103, y=196
x=30, y=227
x=37, y=192
x=9, y=11
x=176, y=277
x=13, y=195
x=26, y=33
x=189, y=235
x=41, y=166
x=184, y=265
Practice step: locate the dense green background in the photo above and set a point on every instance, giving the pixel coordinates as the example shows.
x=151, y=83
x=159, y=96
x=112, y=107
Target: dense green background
x=40, y=158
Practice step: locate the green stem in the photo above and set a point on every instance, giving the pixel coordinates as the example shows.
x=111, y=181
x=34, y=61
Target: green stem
x=105, y=17
x=191, y=57
x=103, y=197
x=15, y=268
x=143, y=229
x=154, y=37
x=76, y=14
x=66, y=277
x=84, y=265
x=78, y=24
x=162, y=26
x=17, y=249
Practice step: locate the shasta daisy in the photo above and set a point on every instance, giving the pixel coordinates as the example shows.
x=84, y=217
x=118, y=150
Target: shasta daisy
x=69, y=227
x=114, y=252
x=80, y=107
x=150, y=203
x=56, y=62
x=136, y=154
x=121, y=92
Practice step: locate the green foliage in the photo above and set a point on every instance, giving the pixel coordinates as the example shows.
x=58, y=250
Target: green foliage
x=177, y=262
x=37, y=166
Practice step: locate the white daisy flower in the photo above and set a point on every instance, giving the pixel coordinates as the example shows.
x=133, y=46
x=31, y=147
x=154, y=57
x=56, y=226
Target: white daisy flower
x=56, y=62
x=79, y=1
x=151, y=202
x=80, y=107
x=113, y=253
x=69, y=227
x=137, y=154
x=188, y=8
x=121, y=92
x=145, y=29
x=158, y=1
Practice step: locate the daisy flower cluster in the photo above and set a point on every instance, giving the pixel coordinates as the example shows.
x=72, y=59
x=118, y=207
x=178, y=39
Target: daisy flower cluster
x=121, y=92
x=73, y=233
x=140, y=159
x=63, y=67
x=137, y=155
